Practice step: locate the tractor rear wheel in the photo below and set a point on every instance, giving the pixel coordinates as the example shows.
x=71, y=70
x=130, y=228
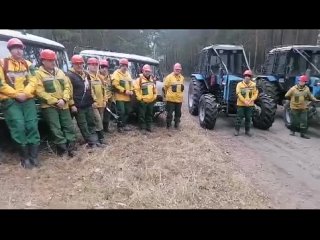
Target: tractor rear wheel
x=264, y=113
x=196, y=89
x=269, y=88
x=208, y=111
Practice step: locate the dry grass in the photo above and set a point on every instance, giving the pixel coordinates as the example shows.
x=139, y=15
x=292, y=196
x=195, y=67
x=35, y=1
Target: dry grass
x=183, y=169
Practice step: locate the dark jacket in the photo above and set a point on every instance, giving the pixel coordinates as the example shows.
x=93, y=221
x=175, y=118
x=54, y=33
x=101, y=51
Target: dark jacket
x=82, y=96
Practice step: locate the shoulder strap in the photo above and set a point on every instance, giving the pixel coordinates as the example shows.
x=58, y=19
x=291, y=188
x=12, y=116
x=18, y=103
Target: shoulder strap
x=5, y=70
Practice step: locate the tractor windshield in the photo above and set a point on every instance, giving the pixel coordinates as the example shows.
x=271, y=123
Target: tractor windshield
x=234, y=61
x=303, y=61
x=316, y=62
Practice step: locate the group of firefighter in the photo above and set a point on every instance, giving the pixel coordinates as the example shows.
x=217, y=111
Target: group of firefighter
x=88, y=94
x=84, y=94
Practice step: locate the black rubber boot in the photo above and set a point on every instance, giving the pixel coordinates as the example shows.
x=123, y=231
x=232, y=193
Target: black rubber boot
x=236, y=132
x=61, y=149
x=101, y=137
x=71, y=147
x=248, y=133
x=34, y=151
x=292, y=133
x=177, y=125
x=24, y=155
x=168, y=125
x=303, y=135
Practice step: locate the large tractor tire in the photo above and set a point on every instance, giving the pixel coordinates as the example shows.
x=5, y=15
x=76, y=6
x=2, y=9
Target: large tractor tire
x=196, y=89
x=269, y=88
x=263, y=115
x=208, y=111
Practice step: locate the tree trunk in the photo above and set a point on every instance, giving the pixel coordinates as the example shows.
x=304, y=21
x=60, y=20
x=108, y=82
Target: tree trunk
x=255, y=50
x=297, y=37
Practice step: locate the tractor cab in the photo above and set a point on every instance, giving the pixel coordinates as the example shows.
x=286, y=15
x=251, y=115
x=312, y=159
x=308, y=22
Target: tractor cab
x=284, y=66
x=213, y=87
x=221, y=67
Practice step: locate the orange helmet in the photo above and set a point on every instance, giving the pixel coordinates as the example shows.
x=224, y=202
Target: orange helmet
x=124, y=61
x=104, y=63
x=14, y=42
x=93, y=61
x=146, y=68
x=303, y=78
x=177, y=66
x=48, y=54
x=77, y=59
x=247, y=73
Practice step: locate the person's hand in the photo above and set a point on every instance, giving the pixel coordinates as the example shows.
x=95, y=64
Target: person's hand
x=21, y=97
x=60, y=103
x=129, y=93
x=247, y=102
x=94, y=105
x=74, y=109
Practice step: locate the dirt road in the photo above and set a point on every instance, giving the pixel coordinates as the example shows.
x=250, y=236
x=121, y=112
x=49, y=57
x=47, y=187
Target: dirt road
x=286, y=168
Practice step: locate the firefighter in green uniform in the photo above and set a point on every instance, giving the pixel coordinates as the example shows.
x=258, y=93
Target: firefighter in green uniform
x=106, y=80
x=82, y=101
x=54, y=93
x=146, y=93
x=173, y=87
x=17, y=88
x=298, y=95
x=247, y=93
x=122, y=82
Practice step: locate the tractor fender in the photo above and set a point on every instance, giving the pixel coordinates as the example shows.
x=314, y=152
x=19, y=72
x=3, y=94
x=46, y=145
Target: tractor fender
x=267, y=77
x=197, y=76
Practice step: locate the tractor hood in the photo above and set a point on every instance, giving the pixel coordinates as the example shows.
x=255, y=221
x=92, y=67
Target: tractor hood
x=232, y=78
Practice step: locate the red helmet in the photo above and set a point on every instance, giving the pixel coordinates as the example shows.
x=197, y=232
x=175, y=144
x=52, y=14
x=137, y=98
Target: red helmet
x=146, y=68
x=177, y=66
x=247, y=73
x=77, y=59
x=104, y=63
x=14, y=42
x=93, y=61
x=124, y=61
x=48, y=54
x=303, y=78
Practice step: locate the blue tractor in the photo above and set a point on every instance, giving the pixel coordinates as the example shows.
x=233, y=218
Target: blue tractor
x=282, y=69
x=213, y=87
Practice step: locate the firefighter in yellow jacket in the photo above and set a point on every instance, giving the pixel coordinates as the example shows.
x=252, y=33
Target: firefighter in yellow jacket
x=173, y=89
x=106, y=80
x=247, y=93
x=146, y=94
x=54, y=92
x=122, y=82
x=99, y=95
x=299, y=95
x=17, y=86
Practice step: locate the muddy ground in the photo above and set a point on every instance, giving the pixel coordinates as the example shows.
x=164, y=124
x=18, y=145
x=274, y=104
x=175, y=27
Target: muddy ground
x=191, y=168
